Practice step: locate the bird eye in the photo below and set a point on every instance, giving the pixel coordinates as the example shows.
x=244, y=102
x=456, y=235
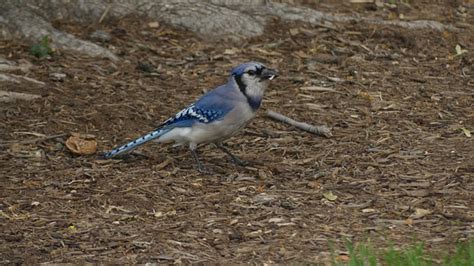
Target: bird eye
x=251, y=72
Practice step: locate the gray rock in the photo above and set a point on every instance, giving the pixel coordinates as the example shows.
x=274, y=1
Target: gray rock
x=100, y=36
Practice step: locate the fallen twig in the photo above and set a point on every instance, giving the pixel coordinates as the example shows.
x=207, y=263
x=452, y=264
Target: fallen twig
x=319, y=89
x=29, y=79
x=17, y=79
x=10, y=96
x=318, y=130
x=8, y=66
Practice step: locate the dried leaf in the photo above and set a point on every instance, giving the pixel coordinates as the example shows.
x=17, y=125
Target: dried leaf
x=275, y=220
x=467, y=132
x=365, y=95
x=72, y=228
x=197, y=184
x=419, y=213
x=254, y=234
x=78, y=145
x=294, y=31
x=170, y=213
x=16, y=148
x=218, y=231
x=230, y=51
x=314, y=185
x=343, y=258
x=459, y=50
x=154, y=24
x=329, y=196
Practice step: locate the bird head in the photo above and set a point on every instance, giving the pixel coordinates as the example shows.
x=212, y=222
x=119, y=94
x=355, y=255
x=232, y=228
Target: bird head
x=252, y=78
x=252, y=73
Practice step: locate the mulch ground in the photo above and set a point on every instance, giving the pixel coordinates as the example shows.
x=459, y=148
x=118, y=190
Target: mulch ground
x=398, y=168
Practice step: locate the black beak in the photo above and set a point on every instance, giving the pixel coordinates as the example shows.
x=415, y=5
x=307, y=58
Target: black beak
x=268, y=74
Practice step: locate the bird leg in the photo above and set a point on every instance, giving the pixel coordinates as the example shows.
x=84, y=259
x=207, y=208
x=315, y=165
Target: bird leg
x=200, y=168
x=234, y=158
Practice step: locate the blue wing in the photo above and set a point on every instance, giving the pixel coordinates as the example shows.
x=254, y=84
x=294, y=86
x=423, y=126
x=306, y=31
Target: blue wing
x=209, y=108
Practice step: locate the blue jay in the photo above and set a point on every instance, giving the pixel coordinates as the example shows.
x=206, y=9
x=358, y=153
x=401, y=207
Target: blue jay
x=216, y=116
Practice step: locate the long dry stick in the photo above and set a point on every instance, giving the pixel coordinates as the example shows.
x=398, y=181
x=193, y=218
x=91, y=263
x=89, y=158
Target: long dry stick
x=318, y=130
x=9, y=96
x=17, y=79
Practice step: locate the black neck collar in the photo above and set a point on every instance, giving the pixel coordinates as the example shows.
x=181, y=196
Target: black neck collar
x=254, y=103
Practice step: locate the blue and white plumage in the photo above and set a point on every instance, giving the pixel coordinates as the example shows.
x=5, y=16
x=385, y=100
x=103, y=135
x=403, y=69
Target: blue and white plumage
x=216, y=116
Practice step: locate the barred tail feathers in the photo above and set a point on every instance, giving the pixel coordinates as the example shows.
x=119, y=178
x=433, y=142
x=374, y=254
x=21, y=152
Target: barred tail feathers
x=136, y=143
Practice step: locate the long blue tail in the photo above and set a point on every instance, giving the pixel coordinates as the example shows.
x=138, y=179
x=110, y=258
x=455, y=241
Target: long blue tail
x=137, y=142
